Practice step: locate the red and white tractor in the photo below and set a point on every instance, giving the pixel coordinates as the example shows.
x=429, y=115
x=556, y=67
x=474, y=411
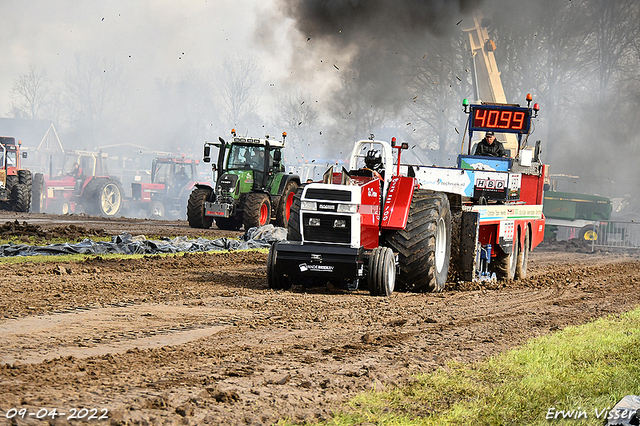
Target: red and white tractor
x=384, y=225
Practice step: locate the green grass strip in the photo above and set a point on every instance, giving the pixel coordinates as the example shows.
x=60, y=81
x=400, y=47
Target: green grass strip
x=569, y=377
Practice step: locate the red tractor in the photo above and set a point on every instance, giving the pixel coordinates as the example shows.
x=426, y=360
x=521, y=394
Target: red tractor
x=166, y=196
x=414, y=227
x=83, y=184
x=15, y=182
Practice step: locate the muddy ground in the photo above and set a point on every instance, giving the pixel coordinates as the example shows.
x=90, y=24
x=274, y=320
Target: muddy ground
x=200, y=339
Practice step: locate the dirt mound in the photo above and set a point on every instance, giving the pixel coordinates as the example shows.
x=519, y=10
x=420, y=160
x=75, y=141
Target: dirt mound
x=69, y=232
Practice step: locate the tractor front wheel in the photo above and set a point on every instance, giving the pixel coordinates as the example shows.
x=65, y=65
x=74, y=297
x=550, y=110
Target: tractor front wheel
x=157, y=210
x=20, y=197
x=195, y=208
x=424, y=245
x=275, y=280
x=257, y=210
x=382, y=272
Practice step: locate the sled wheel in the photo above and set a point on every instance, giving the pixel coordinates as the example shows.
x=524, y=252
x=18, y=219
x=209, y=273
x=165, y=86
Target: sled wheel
x=523, y=257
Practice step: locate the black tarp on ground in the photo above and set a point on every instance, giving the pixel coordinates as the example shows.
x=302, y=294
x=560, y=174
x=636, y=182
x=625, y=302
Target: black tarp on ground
x=126, y=244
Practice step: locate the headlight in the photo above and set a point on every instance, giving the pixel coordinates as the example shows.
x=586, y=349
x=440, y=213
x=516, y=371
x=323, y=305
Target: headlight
x=308, y=205
x=347, y=208
x=339, y=223
x=314, y=221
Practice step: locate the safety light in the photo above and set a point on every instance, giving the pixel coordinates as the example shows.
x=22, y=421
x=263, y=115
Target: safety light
x=393, y=141
x=536, y=107
x=465, y=102
x=529, y=97
x=233, y=132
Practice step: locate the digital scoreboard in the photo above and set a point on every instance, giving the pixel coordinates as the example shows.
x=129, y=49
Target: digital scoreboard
x=498, y=118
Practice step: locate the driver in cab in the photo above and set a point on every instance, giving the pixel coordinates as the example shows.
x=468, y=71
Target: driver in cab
x=490, y=147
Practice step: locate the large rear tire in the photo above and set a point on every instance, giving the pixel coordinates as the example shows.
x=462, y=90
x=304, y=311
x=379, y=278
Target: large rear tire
x=293, y=229
x=523, y=258
x=382, y=272
x=108, y=198
x=20, y=197
x=257, y=210
x=37, y=193
x=283, y=212
x=424, y=246
x=195, y=208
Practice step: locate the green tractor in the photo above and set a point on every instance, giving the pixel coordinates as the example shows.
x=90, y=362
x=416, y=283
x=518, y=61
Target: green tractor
x=251, y=188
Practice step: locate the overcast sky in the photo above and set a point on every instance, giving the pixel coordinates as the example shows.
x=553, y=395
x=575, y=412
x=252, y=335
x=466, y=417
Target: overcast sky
x=148, y=38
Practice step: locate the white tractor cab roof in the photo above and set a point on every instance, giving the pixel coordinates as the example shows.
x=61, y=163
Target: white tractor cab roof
x=258, y=141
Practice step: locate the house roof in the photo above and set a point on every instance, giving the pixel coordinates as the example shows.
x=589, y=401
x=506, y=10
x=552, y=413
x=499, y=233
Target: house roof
x=32, y=133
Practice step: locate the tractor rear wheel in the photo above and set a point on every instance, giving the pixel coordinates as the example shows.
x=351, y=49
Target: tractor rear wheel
x=284, y=205
x=20, y=197
x=195, y=208
x=382, y=272
x=257, y=210
x=424, y=246
x=293, y=229
x=37, y=193
x=523, y=258
x=107, y=198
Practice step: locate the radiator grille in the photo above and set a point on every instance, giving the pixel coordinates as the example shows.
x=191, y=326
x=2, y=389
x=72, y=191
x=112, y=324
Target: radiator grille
x=328, y=194
x=326, y=233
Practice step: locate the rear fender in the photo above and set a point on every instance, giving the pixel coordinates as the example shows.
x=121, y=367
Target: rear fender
x=396, y=206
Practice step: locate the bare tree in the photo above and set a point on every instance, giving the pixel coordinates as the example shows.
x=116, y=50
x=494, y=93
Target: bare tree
x=30, y=94
x=297, y=116
x=184, y=113
x=95, y=99
x=436, y=78
x=238, y=83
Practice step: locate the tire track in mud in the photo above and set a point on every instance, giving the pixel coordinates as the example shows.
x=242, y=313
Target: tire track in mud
x=285, y=354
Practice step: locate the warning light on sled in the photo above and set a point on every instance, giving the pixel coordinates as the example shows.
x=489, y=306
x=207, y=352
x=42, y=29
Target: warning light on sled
x=529, y=97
